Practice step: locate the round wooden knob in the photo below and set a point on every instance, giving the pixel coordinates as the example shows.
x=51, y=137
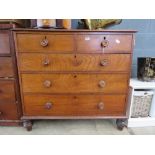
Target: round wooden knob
x=48, y=105
x=104, y=43
x=104, y=62
x=44, y=42
x=100, y=106
x=101, y=84
x=47, y=83
x=46, y=62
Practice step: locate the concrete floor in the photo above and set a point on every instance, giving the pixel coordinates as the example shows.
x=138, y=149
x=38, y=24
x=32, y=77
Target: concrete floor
x=75, y=127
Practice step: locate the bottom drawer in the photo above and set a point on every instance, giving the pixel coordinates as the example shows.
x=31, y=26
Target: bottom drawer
x=8, y=111
x=74, y=105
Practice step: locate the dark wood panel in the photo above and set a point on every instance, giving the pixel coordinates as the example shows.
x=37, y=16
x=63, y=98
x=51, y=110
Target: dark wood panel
x=45, y=43
x=75, y=83
x=6, y=67
x=74, y=62
x=74, y=105
x=6, y=86
x=8, y=106
x=4, y=42
x=7, y=92
x=8, y=111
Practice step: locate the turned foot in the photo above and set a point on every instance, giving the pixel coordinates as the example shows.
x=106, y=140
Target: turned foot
x=27, y=124
x=120, y=124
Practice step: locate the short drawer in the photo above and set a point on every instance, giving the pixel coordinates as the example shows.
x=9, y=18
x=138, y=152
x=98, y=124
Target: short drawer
x=44, y=43
x=74, y=105
x=6, y=67
x=4, y=42
x=75, y=83
x=104, y=43
x=74, y=62
x=8, y=111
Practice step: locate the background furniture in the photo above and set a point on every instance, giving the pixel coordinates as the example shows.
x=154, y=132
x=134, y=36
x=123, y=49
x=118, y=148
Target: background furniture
x=141, y=121
x=74, y=74
x=10, y=104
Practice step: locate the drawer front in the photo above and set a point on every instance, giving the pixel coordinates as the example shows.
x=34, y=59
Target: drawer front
x=8, y=108
x=45, y=43
x=74, y=105
x=4, y=42
x=6, y=67
x=7, y=92
x=75, y=83
x=74, y=62
x=8, y=111
x=104, y=43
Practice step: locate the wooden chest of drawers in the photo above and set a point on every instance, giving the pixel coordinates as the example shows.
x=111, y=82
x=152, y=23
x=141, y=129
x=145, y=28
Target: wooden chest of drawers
x=73, y=74
x=10, y=109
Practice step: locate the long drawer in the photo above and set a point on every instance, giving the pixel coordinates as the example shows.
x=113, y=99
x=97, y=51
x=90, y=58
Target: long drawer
x=83, y=43
x=75, y=83
x=6, y=67
x=45, y=42
x=74, y=105
x=74, y=62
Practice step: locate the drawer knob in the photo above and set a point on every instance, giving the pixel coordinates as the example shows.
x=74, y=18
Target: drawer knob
x=105, y=43
x=48, y=105
x=47, y=83
x=101, y=106
x=101, y=84
x=104, y=62
x=1, y=113
x=44, y=42
x=46, y=62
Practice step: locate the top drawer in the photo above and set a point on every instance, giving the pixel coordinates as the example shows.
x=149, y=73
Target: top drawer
x=112, y=43
x=4, y=42
x=45, y=42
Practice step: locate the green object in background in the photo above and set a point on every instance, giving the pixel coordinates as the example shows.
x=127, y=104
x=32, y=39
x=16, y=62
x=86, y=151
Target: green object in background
x=98, y=23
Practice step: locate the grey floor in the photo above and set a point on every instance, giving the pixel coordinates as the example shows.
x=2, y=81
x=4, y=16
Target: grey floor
x=76, y=127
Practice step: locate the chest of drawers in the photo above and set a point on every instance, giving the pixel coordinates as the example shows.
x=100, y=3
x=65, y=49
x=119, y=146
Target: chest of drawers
x=10, y=105
x=74, y=74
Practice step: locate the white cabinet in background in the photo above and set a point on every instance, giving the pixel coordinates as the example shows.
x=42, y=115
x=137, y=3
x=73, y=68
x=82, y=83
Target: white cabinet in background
x=136, y=85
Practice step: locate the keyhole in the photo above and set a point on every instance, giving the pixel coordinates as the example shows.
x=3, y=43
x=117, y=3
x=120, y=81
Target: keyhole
x=75, y=76
x=74, y=56
x=104, y=38
x=75, y=97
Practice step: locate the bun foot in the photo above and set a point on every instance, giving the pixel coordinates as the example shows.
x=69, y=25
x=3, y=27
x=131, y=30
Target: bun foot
x=120, y=124
x=28, y=125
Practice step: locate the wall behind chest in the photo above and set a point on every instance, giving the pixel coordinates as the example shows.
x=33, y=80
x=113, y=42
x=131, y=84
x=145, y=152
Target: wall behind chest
x=145, y=37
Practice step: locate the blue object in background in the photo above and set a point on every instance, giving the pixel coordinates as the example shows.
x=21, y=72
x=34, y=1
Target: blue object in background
x=145, y=37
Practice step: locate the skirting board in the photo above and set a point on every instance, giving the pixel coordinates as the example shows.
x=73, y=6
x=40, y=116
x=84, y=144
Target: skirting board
x=141, y=122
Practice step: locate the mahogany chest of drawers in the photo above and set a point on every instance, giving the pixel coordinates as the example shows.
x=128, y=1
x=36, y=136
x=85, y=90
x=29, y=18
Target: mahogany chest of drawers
x=73, y=74
x=10, y=107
